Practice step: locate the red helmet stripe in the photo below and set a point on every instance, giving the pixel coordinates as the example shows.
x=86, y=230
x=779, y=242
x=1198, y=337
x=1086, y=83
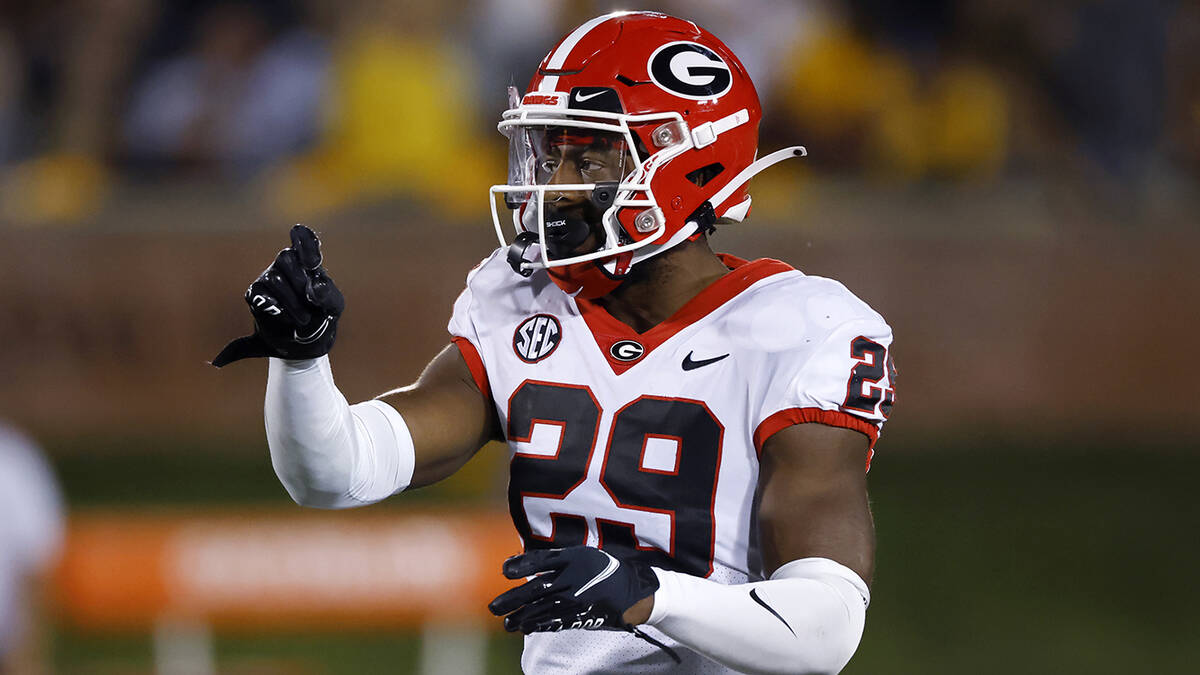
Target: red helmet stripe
x=563, y=51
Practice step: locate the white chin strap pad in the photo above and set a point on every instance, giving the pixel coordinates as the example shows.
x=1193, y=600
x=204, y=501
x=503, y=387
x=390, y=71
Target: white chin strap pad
x=737, y=212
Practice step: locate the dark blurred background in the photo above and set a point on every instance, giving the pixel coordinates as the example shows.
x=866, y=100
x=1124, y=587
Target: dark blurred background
x=1014, y=184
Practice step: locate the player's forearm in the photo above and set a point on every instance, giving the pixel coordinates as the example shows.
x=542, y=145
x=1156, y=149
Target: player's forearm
x=808, y=618
x=327, y=453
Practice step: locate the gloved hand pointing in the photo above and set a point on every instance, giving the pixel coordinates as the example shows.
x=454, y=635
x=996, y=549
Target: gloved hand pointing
x=295, y=306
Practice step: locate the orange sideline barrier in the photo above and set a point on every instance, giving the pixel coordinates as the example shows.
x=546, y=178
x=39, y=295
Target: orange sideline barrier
x=284, y=569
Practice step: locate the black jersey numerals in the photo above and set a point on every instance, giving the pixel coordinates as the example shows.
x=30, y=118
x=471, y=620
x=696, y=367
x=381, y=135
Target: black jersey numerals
x=682, y=488
x=577, y=415
x=873, y=364
x=685, y=491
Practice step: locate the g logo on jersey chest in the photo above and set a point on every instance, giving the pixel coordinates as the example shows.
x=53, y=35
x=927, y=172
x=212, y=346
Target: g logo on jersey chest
x=627, y=350
x=537, y=337
x=689, y=70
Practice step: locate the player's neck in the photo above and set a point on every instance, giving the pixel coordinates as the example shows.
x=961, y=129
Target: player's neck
x=663, y=284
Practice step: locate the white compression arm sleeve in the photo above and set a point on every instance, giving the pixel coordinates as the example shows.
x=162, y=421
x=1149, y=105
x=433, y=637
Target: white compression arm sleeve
x=807, y=618
x=327, y=453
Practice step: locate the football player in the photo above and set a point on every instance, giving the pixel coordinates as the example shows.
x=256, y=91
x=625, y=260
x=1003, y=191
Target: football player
x=688, y=431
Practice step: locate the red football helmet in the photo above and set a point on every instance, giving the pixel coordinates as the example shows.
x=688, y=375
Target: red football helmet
x=643, y=130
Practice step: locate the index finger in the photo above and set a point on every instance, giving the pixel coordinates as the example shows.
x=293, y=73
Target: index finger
x=528, y=592
x=537, y=560
x=307, y=247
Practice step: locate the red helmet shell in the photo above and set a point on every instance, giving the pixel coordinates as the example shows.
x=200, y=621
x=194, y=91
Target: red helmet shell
x=658, y=63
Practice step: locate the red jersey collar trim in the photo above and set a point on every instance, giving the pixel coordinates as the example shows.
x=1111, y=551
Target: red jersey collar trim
x=606, y=329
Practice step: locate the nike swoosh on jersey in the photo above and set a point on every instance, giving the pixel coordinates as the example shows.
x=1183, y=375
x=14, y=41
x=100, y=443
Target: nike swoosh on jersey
x=689, y=364
x=754, y=597
x=607, y=572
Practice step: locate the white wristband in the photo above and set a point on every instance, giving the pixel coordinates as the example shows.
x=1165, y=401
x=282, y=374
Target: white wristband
x=327, y=453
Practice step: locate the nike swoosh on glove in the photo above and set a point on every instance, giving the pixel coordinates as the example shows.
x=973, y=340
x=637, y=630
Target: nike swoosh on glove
x=574, y=587
x=295, y=306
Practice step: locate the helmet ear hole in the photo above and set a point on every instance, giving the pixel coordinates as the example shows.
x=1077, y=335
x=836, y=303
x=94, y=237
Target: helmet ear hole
x=706, y=173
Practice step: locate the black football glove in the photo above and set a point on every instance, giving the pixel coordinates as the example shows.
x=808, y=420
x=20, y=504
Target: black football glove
x=575, y=587
x=295, y=306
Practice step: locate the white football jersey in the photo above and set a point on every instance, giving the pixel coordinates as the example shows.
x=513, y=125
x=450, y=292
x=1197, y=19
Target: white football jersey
x=31, y=528
x=647, y=444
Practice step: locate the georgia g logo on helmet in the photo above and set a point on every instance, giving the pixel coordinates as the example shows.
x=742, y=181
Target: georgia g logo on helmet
x=689, y=70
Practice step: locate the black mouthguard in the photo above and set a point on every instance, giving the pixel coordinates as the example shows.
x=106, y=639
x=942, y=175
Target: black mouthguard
x=564, y=233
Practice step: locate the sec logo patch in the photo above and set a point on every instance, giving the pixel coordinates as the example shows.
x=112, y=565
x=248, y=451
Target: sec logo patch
x=537, y=337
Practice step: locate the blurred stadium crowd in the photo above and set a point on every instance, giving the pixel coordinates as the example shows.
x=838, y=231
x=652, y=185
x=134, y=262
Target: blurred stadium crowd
x=316, y=104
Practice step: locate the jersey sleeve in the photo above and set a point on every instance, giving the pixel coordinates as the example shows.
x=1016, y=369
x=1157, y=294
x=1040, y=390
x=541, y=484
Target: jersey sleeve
x=463, y=328
x=846, y=380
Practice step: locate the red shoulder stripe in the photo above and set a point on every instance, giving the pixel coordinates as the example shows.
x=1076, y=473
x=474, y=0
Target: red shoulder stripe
x=474, y=362
x=833, y=418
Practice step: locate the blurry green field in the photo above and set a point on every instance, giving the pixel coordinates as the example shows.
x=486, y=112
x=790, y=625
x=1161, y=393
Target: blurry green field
x=291, y=653
x=991, y=560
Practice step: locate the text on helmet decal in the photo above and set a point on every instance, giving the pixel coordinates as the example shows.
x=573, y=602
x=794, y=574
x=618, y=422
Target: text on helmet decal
x=689, y=70
x=542, y=98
